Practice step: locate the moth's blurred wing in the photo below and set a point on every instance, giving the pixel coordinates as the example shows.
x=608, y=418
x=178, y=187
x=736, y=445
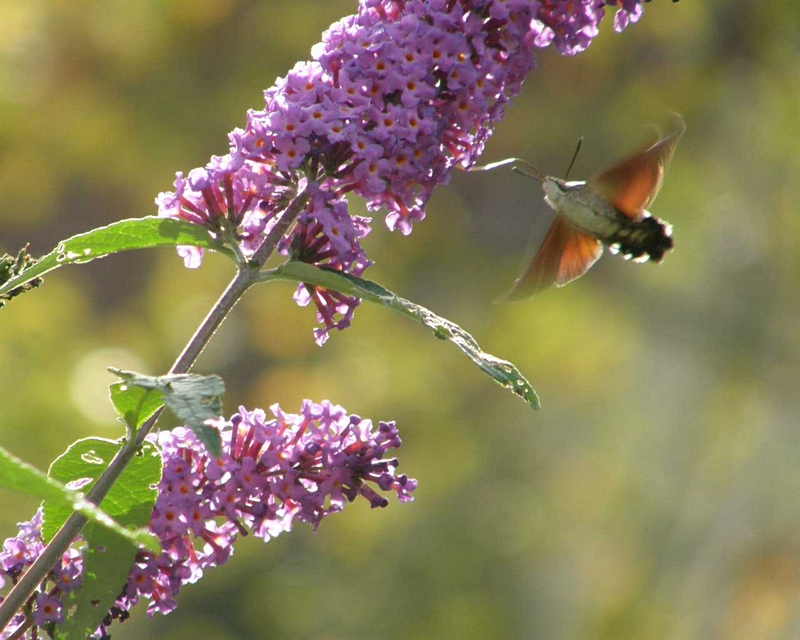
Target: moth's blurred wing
x=632, y=185
x=565, y=254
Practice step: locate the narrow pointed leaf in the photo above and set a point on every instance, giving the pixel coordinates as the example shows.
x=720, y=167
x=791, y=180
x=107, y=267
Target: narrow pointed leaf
x=125, y=235
x=501, y=371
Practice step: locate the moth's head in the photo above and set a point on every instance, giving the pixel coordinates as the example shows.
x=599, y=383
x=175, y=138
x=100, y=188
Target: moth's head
x=554, y=190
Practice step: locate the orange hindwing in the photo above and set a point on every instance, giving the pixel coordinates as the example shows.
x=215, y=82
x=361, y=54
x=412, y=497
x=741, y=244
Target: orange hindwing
x=565, y=254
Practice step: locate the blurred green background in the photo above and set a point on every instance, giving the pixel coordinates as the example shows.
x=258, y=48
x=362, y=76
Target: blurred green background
x=653, y=496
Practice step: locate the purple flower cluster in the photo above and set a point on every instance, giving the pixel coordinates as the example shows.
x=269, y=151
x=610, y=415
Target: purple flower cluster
x=326, y=236
x=272, y=472
x=17, y=555
x=395, y=97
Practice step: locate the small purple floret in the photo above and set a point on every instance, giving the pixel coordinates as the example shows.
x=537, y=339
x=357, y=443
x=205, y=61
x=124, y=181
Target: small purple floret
x=47, y=609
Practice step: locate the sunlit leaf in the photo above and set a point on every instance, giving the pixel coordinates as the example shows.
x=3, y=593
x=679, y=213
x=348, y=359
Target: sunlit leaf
x=192, y=398
x=16, y=475
x=135, y=404
x=125, y=235
x=107, y=559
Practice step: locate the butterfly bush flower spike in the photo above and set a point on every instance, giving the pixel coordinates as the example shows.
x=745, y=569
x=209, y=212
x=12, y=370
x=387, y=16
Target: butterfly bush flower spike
x=395, y=97
x=273, y=471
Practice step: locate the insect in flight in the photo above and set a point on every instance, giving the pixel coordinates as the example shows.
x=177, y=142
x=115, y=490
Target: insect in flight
x=609, y=209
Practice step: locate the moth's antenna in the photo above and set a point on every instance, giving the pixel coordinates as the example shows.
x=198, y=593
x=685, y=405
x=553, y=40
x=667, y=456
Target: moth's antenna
x=574, y=157
x=536, y=173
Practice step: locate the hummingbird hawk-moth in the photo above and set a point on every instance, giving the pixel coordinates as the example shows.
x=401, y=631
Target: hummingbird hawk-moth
x=609, y=209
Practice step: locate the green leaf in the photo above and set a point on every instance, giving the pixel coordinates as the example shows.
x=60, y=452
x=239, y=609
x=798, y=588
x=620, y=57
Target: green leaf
x=135, y=404
x=135, y=233
x=107, y=559
x=501, y=371
x=21, y=477
x=192, y=398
